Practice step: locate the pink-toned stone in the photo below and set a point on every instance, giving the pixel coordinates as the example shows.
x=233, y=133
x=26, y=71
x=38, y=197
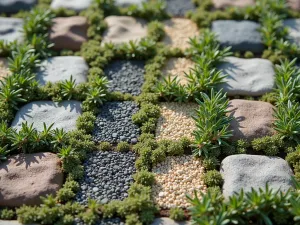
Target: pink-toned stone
x=221, y=4
x=252, y=119
x=294, y=4
x=69, y=32
x=24, y=178
x=4, y=71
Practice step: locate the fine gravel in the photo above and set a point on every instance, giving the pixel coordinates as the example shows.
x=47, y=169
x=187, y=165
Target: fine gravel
x=126, y=76
x=114, y=123
x=107, y=176
x=179, y=7
x=111, y=221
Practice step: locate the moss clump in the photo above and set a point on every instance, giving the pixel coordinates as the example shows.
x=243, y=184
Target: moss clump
x=213, y=178
x=123, y=147
x=177, y=214
x=104, y=146
x=144, y=177
x=7, y=214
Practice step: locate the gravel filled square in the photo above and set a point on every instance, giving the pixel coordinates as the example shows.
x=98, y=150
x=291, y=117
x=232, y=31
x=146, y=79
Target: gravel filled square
x=107, y=176
x=178, y=67
x=176, y=121
x=114, y=123
x=176, y=177
x=126, y=76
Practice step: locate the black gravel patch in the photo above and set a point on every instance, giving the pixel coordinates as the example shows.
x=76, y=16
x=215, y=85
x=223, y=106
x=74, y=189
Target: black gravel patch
x=179, y=7
x=112, y=221
x=107, y=176
x=114, y=123
x=126, y=76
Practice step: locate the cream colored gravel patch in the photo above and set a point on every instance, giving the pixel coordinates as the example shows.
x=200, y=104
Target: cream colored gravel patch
x=4, y=71
x=178, y=67
x=178, y=31
x=176, y=177
x=176, y=121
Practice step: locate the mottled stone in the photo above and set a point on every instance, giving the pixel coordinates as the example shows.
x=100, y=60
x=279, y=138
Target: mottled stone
x=222, y=4
x=126, y=3
x=11, y=29
x=168, y=221
x=13, y=6
x=76, y=5
x=293, y=26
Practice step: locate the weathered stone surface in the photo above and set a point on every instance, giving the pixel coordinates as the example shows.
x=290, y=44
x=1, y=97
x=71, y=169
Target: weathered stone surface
x=76, y=5
x=13, y=6
x=126, y=3
x=63, y=115
x=293, y=26
x=178, y=32
x=251, y=119
x=294, y=4
x=69, y=32
x=12, y=222
x=61, y=68
x=124, y=29
x=25, y=178
x=11, y=29
x=168, y=221
x=254, y=171
x=221, y=4
x=247, y=77
x=4, y=71
x=179, y=7
x=240, y=35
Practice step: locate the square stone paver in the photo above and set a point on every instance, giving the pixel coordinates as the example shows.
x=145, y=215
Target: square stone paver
x=179, y=7
x=247, y=77
x=178, y=67
x=61, y=68
x=11, y=29
x=176, y=121
x=114, y=123
x=254, y=171
x=126, y=76
x=251, y=119
x=176, y=177
x=4, y=70
x=222, y=4
x=122, y=29
x=14, y=6
x=63, y=115
x=293, y=26
x=178, y=32
x=240, y=35
x=69, y=32
x=76, y=5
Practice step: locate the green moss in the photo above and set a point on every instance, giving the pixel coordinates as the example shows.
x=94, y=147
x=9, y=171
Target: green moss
x=123, y=147
x=7, y=214
x=144, y=177
x=86, y=122
x=213, y=178
x=177, y=214
x=158, y=155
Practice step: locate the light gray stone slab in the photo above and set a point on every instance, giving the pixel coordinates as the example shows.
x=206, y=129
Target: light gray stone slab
x=247, y=77
x=254, y=171
x=293, y=26
x=11, y=29
x=77, y=5
x=168, y=221
x=13, y=6
x=126, y=3
x=63, y=115
x=240, y=35
x=12, y=222
x=61, y=68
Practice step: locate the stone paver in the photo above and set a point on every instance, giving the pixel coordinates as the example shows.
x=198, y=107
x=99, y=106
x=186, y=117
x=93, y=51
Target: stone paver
x=168, y=221
x=293, y=26
x=247, y=77
x=11, y=29
x=247, y=171
x=124, y=29
x=251, y=119
x=294, y=4
x=76, y=5
x=221, y=4
x=126, y=3
x=69, y=32
x=63, y=115
x=13, y=6
x=240, y=35
x=179, y=8
x=61, y=68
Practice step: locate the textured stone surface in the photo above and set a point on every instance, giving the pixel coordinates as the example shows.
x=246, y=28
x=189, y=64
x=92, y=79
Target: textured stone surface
x=126, y=76
x=251, y=119
x=25, y=178
x=4, y=71
x=178, y=67
x=126, y=3
x=247, y=171
x=12, y=222
x=294, y=4
x=124, y=29
x=61, y=68
x=247, y=77
x=178, y=32
x=77, y=5
x=11, y=29
x=168, y=221
x=69, y=32
x=221, y=4
x=293, y=26
x=240, y=35
x=176, y=177
x=179, y=7
x=176, y=121
x=13, y=6
x=63, y=115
